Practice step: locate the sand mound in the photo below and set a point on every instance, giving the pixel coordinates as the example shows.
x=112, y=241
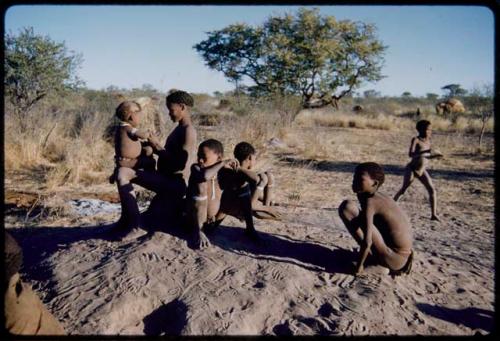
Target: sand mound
x=297, y=282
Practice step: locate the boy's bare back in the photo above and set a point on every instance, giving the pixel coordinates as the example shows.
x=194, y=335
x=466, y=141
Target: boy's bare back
x=390, y=220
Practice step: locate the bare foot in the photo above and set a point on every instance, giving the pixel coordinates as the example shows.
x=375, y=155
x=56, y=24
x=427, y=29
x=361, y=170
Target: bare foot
x=200, y=241
x=435, y=217
x=133, y=234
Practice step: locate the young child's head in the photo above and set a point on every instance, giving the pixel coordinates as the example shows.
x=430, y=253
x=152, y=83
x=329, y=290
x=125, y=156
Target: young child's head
x=210, y=152
x=128, y=111
x=368, y=177
x=424, y=128
x=178, y=103
x=245, y=153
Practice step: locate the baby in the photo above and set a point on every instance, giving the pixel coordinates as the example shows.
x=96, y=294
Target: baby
x=132, y=149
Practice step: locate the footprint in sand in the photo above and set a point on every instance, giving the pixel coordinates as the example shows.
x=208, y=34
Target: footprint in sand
x=150, y=257
x=277, y=274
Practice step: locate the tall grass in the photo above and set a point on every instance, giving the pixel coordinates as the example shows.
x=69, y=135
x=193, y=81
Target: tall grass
x=69, y=137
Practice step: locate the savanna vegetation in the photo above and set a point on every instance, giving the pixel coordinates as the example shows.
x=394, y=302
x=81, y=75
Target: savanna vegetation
x=57, y=132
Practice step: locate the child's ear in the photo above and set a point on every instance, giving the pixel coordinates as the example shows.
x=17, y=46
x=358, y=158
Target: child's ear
x=375, y=183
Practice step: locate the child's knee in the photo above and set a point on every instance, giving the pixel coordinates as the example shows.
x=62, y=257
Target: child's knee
x=263, y=180
x=147, y=150
x=270, y=178
x=348, y=209
x=124, y=175
x=432, y=191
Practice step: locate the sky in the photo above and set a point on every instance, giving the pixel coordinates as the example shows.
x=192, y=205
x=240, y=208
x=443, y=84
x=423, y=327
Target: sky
x=128, y=46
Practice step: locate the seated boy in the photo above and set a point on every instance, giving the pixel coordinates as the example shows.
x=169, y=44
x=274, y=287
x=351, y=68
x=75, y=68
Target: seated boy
x=245, y=180
x=379, y=223
x=420, y=152
x=204, y=191
x=131, y=145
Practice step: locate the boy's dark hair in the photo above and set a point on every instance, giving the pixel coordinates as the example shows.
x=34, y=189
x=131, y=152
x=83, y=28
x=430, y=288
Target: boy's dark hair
x=180, y=97
x=125, y=108
x=422, y=125
x=214, y=145
x=243, y=150
x=373, y=169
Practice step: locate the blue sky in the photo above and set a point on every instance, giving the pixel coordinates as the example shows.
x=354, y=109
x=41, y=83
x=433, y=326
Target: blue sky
x=127, y=46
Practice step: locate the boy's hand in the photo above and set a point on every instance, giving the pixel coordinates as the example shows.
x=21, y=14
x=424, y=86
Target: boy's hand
x=437, y=153
x=153, y=140
x=232, y=163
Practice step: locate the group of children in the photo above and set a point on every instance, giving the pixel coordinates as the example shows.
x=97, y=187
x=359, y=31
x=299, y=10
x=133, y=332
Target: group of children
x=215, y=187
x=218, y=187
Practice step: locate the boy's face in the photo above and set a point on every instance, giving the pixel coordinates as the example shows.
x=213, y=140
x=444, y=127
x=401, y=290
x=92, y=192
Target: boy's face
x=207, y=157
x=363, y=183
x=249, y=162
x=176, y=111
x=427, y=132
x=135, y=117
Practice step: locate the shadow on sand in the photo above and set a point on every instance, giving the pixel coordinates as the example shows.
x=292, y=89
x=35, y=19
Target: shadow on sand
x=280, y=248
x=471, y=317
x=169, y=319
x=40, y=243
x=348, y=167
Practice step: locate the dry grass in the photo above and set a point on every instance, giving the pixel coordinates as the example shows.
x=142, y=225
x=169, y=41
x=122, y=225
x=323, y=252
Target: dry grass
x=68, y=142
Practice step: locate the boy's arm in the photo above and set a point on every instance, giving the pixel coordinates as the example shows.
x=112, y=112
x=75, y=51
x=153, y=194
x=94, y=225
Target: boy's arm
x=134, y=132
x=249, y=175
x=205, y=174
x=188, y=146
x=367, y=219
x=155, y=143
x=209, y=172
x=413, y=147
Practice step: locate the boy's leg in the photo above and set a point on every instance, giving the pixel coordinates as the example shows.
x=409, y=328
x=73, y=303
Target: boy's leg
x=390, y=258
x=349, y=213
x=259, y=189
x=245, y=202
x=113, y=176
x=426, y=180
x=158, y=183
x=268, y=190
x=212, y=225
x=128, y=226
x=407, y=180
x=148, y=163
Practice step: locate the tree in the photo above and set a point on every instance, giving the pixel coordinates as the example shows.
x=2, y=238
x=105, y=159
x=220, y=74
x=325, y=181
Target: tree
x=34, y=67
x=480, y=102
x=314, y=56
x=371, y=94
x=431, y=96
x=406, y=94
x=454, y=90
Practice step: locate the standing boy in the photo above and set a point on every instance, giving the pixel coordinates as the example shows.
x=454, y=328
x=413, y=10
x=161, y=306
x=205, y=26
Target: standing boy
x=420, y=152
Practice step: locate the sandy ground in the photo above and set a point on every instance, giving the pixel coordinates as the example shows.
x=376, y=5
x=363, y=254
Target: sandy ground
x=298, y=281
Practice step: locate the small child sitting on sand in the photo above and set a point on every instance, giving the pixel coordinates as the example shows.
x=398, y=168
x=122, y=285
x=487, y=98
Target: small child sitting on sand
x=204, y=191
x=132, y=149
x=420, y=152
x=380, y=222
x=245, y=180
